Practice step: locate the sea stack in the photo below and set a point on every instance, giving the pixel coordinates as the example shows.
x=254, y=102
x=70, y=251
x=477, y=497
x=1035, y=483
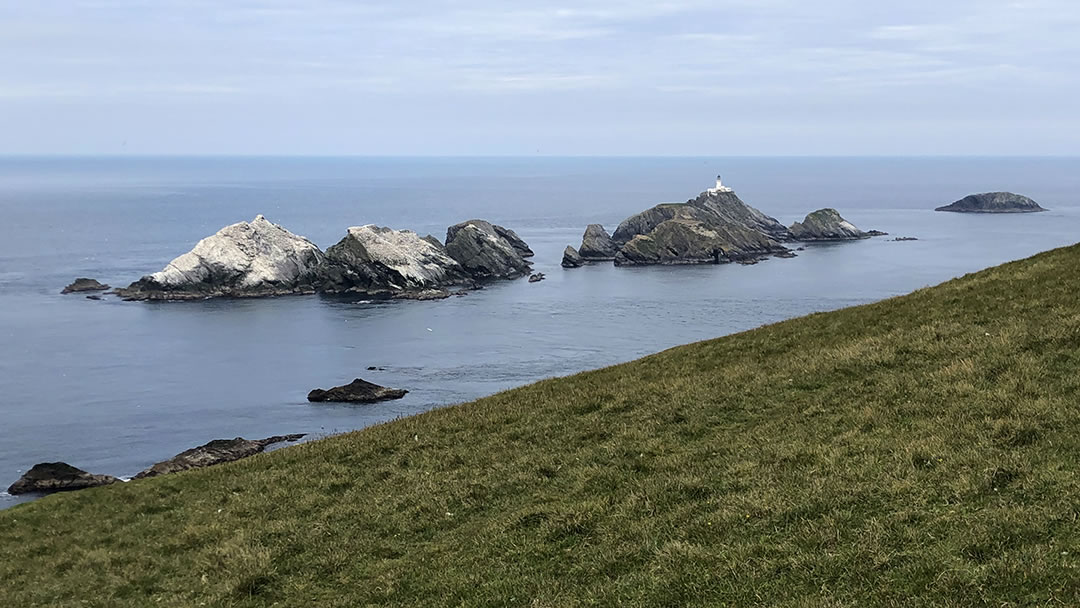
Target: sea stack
x=487, y=251
x=826, y=225
x=993, y=202
x=247, y=259
x=596, y=244
x=375, y=260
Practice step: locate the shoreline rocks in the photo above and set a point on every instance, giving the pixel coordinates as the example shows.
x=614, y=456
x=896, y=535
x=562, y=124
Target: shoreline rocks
x=214, y=452
x=357, y=391
x=50, y=477
x=993, y=202
x=246, y=259
x=83, y=284
x=826, y=225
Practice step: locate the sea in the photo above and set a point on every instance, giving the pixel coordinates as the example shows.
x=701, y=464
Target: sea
x=112, y=386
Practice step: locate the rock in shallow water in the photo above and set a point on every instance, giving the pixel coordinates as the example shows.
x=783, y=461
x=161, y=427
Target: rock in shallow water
x=357, y=391
x=49, y=477
x=826, y=225
x=84, y=284
x=246, y=259
x=214, y=452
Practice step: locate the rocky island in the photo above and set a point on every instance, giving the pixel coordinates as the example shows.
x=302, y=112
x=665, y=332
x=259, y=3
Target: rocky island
x=993, y=202
x=259, y=258
x=826, y=225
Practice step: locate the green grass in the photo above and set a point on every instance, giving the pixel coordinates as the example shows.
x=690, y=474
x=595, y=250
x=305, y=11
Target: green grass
x=920, y=451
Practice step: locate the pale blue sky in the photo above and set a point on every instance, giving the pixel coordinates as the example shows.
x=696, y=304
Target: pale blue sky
x=684, y=77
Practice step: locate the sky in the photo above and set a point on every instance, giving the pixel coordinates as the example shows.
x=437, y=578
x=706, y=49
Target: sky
x=588, y=77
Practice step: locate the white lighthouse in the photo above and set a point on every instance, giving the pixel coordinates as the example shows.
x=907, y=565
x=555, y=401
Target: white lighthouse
x=720, y=187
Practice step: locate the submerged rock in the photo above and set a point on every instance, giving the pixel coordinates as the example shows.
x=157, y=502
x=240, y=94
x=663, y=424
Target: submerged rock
x=357, y=391
x=371, y=259
x=247, y=259
x=571, y=258
x=993, y=202
x=49, y=477
x=826, y=225
x=596, y=244
x=84, y=284
x=484, y=252
x=214, y=452
x=536, y=278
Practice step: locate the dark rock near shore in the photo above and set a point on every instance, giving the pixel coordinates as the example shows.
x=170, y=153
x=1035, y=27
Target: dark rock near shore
x=49, y=477
x=357, y=391
x=84, y=284
x=214, y=452
x=597, y=245
x=571, y=258
x=485, y=251
x=826, y=225
x=536, y=278
x=993, y=202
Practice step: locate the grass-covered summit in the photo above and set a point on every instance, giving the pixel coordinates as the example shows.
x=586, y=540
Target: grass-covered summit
x=920, y=451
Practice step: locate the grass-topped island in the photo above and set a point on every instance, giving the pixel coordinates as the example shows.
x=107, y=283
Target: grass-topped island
x=919, y=451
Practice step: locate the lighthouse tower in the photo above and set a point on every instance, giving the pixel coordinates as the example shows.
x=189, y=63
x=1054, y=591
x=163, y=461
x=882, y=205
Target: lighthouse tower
x=720, y=187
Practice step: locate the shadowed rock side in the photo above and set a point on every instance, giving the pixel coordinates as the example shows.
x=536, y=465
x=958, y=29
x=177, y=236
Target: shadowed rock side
x=993, y=202
x=247, y=259
x=484, y=252
x=374, y=260
x=826, y=225
x=83, y=284
x=215, y=452
x=49, y=477
x=596, y=244
x=357, y=391
x=571, y=258
x=515, y=241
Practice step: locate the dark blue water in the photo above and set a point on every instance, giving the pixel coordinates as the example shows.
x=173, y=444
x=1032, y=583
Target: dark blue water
x=112, y=386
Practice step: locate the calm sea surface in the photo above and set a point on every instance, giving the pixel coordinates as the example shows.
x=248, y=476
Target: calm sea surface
x=112, y=386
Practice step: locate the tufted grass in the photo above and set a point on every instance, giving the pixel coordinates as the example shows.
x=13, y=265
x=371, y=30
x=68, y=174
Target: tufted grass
x=919, y=451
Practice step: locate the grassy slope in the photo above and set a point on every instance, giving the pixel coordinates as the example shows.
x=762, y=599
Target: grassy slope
x=917, y=451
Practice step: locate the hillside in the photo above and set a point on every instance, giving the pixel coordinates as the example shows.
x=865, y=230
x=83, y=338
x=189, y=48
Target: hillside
x=918, y=451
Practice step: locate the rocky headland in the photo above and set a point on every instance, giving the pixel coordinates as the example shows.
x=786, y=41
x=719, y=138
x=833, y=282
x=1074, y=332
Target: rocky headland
x=993, y=202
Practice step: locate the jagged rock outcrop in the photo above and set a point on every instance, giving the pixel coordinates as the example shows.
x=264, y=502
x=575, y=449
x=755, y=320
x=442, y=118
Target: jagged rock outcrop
x=690, y=241
x=993, y=202
x=714, y=228
x=596, y=244
x=49, y=477
x=215, y=452
x=371, y=259
x=571, y=258
x=826, y=225
x=485, y=252
x=84, y=284
x=247, y=259
x=357, y=391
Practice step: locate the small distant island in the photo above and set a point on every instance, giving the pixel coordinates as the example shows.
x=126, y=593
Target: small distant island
x=993, y=202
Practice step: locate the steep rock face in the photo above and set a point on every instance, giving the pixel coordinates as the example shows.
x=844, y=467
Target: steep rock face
x=729, y=207
x=647, y=221
x=571, y=259
x=357, y=391
x=374, y=259
x=596, y=244
x=993, y=202
x=689, y=241
x=49, y=477
x=515, y=241
x=214, y=452
x=826, y=225
x=255, y=258
x=484, y=252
